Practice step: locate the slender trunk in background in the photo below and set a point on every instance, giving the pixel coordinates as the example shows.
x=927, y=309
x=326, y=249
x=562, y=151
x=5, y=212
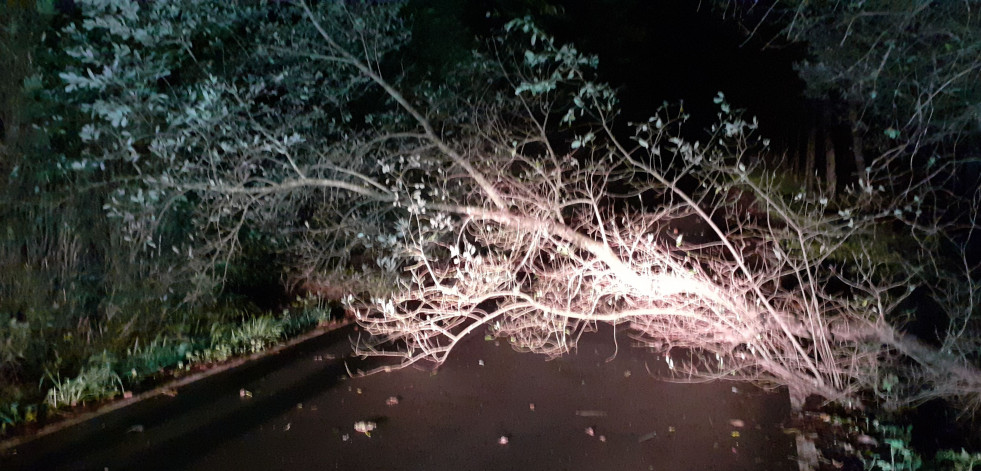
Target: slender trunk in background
x=830, y=175
x=857, y=143
x=809, y=158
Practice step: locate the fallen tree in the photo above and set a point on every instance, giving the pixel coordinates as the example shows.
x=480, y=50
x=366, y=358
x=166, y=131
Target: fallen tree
x=754, y=300
x=509, y=201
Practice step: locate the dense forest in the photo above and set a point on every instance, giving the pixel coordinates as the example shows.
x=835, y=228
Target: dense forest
x=784, y=192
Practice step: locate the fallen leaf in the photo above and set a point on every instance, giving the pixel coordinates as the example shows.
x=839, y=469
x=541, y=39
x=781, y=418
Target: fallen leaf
x=365, y=427
x=737, y=423
x=646, y=436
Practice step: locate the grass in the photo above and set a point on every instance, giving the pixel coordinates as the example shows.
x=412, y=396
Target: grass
x=201, y=338
x=227, y=340
x=97, y=381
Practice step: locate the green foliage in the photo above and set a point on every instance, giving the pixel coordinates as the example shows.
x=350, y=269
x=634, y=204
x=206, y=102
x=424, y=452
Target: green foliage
x=51, y=248
x=231, y=333
x=306, y=315
x=254, y=335
x=957, y=461
x=146, y=360
x=12, y=414
x=901, y=457
x=15, y=339
x=897, y=454
x=910, y=67
x=97, y=381
x=179, y=93
x=97, y=250
x=227, y=340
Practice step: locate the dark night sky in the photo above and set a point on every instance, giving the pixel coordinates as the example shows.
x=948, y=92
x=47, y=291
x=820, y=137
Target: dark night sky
x=668, y=50
x=652, y=51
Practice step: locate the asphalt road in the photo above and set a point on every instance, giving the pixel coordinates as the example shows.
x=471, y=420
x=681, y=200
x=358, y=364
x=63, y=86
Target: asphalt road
x=584, y=411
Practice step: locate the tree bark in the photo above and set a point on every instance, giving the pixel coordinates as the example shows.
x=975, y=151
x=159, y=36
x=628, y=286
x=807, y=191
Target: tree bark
x=858, y=152
x=830, y=173
x=809, y=157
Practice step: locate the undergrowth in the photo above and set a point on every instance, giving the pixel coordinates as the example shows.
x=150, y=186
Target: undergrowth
x=43, y=389
x=849, y=440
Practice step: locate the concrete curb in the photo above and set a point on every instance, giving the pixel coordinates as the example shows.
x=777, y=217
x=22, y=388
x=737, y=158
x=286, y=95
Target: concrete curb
x=49, y=429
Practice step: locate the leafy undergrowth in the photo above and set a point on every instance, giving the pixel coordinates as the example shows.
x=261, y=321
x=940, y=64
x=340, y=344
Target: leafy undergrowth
x=852, y=440
x=213, y=338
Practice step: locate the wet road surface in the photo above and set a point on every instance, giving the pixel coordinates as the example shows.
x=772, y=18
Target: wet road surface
x=297, y=410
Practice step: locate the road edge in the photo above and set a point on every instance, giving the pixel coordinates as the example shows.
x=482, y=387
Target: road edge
x=13, y=442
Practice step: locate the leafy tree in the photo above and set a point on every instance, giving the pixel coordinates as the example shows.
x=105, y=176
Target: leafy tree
x=908, y=68
x=904, y=78
x=50, y=251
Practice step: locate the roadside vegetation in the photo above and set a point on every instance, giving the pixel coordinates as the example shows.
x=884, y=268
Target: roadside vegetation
x=83, y=318
x=175, y=170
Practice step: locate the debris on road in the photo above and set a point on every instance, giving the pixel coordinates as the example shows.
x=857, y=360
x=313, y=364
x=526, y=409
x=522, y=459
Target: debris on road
x=647, y=436
x=365, y=427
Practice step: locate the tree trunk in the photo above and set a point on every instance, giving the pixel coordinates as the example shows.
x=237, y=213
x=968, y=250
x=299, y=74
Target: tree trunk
x=793, y=154
x=809, y=158
x=857, y=144
x=830, y=175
